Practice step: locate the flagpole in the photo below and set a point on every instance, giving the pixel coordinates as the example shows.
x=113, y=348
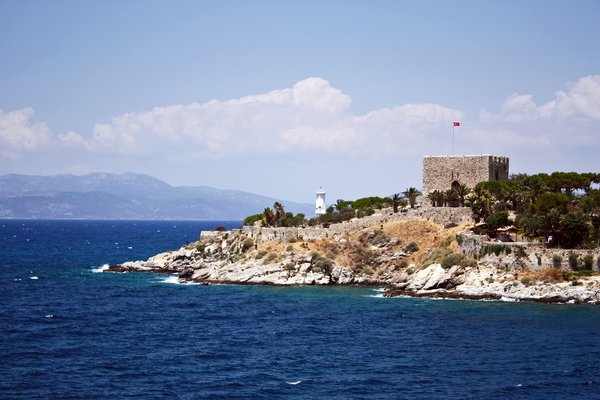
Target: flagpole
x=452, y=138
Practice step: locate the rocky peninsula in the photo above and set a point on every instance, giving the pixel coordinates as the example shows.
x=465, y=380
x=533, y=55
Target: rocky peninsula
x=425, y=253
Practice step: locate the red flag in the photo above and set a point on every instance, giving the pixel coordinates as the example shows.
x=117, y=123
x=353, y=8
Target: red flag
x=457, y=124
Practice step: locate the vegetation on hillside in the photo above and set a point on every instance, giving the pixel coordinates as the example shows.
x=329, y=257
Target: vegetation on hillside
x=341, y=210
x=562, y=208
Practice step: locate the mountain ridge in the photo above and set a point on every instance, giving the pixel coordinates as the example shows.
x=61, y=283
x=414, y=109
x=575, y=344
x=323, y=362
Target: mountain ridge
x=128, y=195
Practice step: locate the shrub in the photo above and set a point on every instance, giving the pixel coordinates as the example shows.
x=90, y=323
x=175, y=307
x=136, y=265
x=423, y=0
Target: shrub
x=436, y=256
x=588, y=261
x=573, y=261
x=270, y=257
x=379, y=237
x=200, y=247
x=539, y=259
x=448, y=241
x=459, y=239
x=527, y=281
x=452, y=259
x=247, y=244
x=261, y=254
x=520, y=252
x=289, y=248
x=220, y=229
x=289, y=267
x=411, y=247
x=495, y=249
x=320, y=263
x=468, y=263
x=556, y=261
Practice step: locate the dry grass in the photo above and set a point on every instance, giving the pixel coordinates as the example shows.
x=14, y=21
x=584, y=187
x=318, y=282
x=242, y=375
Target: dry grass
x=358, y=252
x=546, y=275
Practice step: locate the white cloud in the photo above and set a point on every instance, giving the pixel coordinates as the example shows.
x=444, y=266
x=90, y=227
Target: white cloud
x=571, y=118
x=582, y=100
x=312, y=115
x=297, y=124
x=18, y=134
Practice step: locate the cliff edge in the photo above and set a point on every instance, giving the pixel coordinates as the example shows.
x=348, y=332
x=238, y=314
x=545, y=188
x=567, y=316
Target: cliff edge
x=414, y=254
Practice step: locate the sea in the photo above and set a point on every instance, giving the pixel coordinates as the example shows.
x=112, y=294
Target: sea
x=69, y=331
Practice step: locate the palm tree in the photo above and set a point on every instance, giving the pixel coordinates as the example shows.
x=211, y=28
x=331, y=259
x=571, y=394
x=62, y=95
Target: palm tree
x=395, y=201
x=437, y=198
x=268, y=217
x=481, y=204
x=451, y=196
x=279, y=212
x=461, y=191
x=411, y=194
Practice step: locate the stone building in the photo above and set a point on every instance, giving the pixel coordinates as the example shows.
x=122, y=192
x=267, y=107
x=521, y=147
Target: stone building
x=442, y=172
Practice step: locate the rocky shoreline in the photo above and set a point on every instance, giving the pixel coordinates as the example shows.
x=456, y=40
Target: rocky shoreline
x=399, y=256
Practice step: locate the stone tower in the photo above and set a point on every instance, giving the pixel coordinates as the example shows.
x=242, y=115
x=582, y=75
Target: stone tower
x=320, y=203
x=442, y=172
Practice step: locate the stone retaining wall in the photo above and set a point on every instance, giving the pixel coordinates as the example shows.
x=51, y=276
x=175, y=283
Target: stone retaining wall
x=441, y=215
x=528, y=255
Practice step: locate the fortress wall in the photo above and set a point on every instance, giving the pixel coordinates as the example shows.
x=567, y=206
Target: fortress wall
x=441, y=215
x=440, y=171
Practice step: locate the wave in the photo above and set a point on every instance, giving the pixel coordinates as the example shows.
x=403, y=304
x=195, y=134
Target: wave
x=101, y=268
x=173, y=279
x=379, y=294
x=34, y=277
x=294, y=383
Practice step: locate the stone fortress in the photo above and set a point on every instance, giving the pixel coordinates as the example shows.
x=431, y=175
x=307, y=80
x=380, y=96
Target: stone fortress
x=443, y=172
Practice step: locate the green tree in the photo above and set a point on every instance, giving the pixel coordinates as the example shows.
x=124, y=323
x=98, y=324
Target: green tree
x=411, y=194
x=574, y=229
x=437, y=198
x=268, y=217
x=497, y=220
x=396, y=201
x=461, y=191
x=253, y=218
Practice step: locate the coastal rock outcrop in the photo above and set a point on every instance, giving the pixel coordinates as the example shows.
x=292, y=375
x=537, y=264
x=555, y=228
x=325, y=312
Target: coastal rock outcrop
x=416, y=258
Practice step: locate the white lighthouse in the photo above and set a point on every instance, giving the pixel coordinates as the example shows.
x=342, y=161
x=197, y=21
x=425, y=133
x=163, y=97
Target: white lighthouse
x=320, y=203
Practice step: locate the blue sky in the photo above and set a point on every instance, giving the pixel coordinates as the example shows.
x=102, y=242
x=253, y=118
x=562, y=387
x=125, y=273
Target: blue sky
x=281, y=97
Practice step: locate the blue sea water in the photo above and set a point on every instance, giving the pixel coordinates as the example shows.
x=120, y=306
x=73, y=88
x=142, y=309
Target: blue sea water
x=68, y=332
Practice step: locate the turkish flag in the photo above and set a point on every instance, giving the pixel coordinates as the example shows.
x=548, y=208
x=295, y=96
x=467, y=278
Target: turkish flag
x=457, y=124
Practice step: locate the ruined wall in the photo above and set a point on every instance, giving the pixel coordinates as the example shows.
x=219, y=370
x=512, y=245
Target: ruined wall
x=440, y=215
x=439, y=172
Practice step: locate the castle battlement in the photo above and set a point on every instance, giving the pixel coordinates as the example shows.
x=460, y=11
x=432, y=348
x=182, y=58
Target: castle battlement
x=441, y=172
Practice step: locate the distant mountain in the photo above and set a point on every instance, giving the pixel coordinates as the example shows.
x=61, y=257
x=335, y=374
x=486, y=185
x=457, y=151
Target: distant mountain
x=125, y=196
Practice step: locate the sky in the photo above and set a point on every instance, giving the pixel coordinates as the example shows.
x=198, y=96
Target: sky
x=280, y=98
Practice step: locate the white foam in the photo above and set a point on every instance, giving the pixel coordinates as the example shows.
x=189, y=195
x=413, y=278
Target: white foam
x=509, y=299
x=294, y=383
x=379, y=294
x=50, y=316
x=101, y=268
x=173, y=279
x=35, y=278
